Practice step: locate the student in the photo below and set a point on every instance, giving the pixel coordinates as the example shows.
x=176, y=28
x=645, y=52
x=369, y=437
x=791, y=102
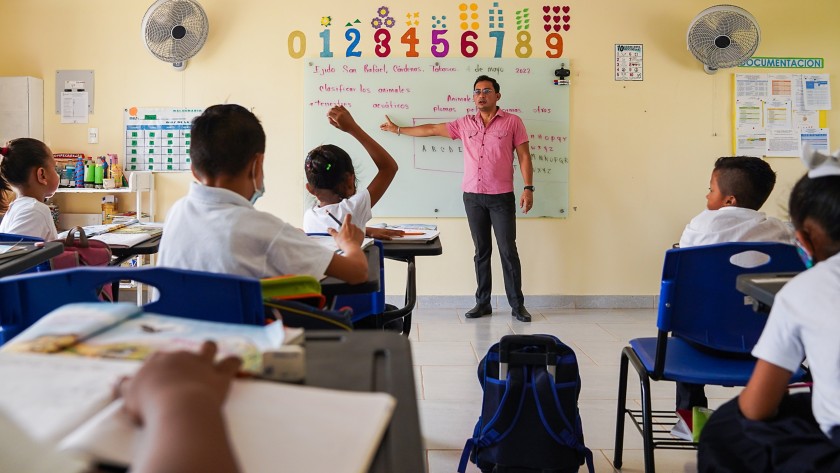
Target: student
x=739, y=186
x=27, y=167
x=331, y=179
x=216, y=228
x=176, y=397
x=766, y=428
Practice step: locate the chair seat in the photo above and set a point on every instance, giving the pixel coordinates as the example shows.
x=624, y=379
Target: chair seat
x=687, y=364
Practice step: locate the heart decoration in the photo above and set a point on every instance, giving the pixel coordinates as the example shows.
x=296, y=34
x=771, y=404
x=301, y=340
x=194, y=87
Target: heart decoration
x=547, y=18
x=556, y=9
x=566, y=9
x=566, y=18
x=565, y=27
x=557, y=27
x=547, y=27
x=556, y=18
x=546, y=8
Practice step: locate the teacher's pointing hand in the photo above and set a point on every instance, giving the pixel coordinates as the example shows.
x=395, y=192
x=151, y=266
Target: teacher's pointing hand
x=388, y=125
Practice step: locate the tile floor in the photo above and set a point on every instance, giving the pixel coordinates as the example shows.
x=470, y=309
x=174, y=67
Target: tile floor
x=447, y=347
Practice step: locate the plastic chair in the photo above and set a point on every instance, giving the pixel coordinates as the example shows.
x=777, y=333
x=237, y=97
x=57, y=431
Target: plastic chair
x=706, y=332
x=11, y=238
x=191, y=294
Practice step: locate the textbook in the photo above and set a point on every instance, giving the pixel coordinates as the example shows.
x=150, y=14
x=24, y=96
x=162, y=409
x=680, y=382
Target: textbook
x=690, y=423
x=67, y=401
x=407, y=226
x=414, y=236
x=128, y=233
x=124, y=331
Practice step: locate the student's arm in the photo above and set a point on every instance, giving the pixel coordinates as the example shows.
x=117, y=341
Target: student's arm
x=351, y=266
x=761, y=398
x=383, y=233
x=523, y=153
x=385, y=164
x=431, y=129
x=177, y=397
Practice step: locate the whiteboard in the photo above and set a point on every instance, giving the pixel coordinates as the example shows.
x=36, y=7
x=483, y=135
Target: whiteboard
x=430, y=90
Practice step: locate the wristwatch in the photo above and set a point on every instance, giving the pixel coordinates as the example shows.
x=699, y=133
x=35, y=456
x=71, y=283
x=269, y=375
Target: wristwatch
x=529, y=188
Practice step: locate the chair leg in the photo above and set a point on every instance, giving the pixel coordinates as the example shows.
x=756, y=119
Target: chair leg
x=620, y=412
x=647, y=422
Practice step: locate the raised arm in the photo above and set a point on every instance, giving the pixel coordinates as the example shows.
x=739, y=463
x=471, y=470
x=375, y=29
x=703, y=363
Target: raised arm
x=385, y=164
x=432, y=129
x=523, y=153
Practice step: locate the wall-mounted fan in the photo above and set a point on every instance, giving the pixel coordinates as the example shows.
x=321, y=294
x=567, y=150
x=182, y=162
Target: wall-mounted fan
x=175, y=30
x=723, y=36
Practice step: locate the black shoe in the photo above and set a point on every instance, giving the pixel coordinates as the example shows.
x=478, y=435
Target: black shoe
x=478, y=311
x=521, y=314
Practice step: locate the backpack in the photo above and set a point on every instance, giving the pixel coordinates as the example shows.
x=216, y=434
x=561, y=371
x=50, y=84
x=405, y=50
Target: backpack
x=529, y=415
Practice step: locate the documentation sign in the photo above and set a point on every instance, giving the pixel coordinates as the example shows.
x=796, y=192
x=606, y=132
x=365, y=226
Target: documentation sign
x=784, y=62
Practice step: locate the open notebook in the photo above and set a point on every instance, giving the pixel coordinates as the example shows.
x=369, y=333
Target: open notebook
x=66, y=401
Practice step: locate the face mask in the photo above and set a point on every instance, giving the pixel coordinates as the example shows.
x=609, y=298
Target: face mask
x=804, y=255
x=258, y=191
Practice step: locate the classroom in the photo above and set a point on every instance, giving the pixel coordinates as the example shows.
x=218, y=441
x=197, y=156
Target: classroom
x=640, y=152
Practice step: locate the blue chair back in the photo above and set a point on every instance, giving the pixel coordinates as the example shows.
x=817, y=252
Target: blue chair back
x=191, y=294
x=699, y=303
x=12, y=238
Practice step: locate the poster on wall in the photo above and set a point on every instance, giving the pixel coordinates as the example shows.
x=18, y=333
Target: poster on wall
x=158, y=138
x=629, y=63
x=774, y=115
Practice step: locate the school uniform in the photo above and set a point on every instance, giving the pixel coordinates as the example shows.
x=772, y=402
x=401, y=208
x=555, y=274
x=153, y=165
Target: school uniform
x=729, y=224
x=489, y=199
x=316, y=219
x=28, y=216
x=725, y=225
x=217, y=230
x=805, y=434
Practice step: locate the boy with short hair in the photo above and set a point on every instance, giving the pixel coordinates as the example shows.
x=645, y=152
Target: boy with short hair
x=216, y=228
x=739, y=186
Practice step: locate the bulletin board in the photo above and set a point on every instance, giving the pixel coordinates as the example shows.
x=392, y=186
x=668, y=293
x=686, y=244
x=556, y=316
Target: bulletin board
x=437, y=90
x=774, y=115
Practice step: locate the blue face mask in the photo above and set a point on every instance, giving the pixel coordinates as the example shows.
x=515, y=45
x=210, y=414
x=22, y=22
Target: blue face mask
x=258, y=191
x=804, y=255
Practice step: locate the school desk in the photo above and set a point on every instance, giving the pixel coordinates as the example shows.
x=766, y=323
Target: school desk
x=124, y=253
x=762, y=287
x=331, y=286
x=372, y=361
x=406, y=252
x=30, y=258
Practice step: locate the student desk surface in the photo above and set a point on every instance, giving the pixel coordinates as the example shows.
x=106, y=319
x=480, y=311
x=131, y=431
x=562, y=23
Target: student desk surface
x=123, y=253
x=372, y=361
x=30, y=259
x=762, y=287
x=332, y=287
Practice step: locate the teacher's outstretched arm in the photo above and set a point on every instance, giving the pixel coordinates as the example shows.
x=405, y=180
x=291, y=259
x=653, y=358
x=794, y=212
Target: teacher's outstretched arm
x=432, y=129
x=523, y=153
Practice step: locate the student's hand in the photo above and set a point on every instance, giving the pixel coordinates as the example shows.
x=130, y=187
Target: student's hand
x=340, y=118
x=350, y=237
x=388, y=126
x=383, y=233
x=169, y=379
x=526, y=201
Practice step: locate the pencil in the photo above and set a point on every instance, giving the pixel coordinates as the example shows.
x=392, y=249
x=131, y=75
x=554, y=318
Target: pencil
x=334, y=219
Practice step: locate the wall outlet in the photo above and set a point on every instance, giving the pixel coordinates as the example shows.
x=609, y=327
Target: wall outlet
x=93, y=135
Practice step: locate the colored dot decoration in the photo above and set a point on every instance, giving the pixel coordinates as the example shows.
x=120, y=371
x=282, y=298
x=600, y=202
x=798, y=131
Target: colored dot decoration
x=464, y=16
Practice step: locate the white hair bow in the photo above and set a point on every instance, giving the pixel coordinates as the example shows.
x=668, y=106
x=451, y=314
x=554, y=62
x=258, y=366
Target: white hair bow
x=820, y=165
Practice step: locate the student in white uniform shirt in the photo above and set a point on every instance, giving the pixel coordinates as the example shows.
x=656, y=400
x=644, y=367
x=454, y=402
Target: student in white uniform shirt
x=27, y=167
x=766, y=428
x=331, y=179
x=216, y=228
x=738, y=187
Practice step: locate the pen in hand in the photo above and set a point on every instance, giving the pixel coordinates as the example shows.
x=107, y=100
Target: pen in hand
x=334, y=219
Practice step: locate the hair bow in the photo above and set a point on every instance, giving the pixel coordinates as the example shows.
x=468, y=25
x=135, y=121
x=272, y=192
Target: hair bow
x=820, y=165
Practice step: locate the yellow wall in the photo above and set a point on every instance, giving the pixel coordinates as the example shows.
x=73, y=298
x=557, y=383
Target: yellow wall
x=641, y=152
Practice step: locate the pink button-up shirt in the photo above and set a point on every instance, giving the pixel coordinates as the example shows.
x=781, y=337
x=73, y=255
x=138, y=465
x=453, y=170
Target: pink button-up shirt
x=488, y=152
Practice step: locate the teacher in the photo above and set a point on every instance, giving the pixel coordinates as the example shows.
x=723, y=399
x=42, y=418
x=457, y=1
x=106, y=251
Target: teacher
x=489, y=138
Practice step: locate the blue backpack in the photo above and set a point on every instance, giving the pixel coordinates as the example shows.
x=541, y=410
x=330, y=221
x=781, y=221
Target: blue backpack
x=529, y=416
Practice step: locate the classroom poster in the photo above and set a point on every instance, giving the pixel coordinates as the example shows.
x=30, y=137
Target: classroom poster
x=158, y=138
x=774, y=115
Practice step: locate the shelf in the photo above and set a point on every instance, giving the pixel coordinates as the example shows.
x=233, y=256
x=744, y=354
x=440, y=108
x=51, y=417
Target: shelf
x=138, y=181
x=85, y=190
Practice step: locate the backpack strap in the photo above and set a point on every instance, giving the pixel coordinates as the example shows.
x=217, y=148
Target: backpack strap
x=551, y=414
x=503, y=420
